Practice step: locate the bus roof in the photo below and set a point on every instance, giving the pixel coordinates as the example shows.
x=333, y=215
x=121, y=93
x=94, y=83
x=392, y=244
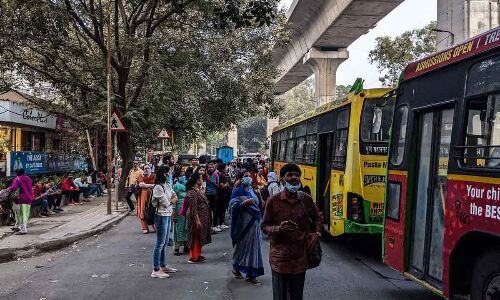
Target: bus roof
x=471, y=47
x=330, y=106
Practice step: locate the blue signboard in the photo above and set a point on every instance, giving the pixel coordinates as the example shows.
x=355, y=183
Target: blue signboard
x=225, y=153
x=41, y=162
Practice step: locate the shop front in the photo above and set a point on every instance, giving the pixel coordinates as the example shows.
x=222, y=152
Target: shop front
x=30, y=138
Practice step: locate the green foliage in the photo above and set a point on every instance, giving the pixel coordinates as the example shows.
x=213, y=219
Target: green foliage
x=391, y=56
x=194, y=66
x=252, y=135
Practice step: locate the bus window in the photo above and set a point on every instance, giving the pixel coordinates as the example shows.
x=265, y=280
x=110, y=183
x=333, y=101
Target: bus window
x=281, y=155
x=290, y=150
x=299, y=150
x=484, y=77
x=482, y=136
x=310, y=152
x=376, y=120
x=340, y=140
x=312, y=126
x=399, y=132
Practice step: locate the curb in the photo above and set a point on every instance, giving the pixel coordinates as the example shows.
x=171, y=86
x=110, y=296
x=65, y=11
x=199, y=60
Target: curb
x=10, y=254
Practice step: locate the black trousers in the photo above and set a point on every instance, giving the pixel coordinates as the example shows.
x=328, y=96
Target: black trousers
x=54, y=200
x=130, y=191
x=213, y=201
x=222, y=204
x=72, y=195
x=288, y=286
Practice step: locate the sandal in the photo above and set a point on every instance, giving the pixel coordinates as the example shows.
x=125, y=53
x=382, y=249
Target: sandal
x=145, y=231
x=253, y=281
x=237, y=274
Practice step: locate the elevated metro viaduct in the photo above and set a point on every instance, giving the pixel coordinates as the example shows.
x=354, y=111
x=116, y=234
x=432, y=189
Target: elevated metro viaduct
x=321, y=31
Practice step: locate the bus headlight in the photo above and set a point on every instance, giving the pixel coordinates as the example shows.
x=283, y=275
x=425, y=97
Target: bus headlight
x=355, y=217
x=355, y=207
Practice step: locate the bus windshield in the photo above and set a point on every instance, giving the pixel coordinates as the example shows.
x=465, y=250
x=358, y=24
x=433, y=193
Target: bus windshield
x=376, y=120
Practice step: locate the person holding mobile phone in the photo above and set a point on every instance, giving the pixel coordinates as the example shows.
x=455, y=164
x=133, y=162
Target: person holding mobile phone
x=286, y=223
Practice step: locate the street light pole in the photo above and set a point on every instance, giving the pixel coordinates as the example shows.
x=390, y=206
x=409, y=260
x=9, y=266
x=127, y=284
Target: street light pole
x=109, y=87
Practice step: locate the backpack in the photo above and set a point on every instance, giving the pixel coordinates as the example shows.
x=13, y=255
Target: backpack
x=264, y=192
x=150, y=210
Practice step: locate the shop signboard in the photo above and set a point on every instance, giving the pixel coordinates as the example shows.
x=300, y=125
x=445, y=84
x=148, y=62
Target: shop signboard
x=41, y=162
x=22, y=113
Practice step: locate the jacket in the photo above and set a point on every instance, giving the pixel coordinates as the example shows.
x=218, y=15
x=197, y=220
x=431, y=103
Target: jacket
x=288, y=249
x=162, y=193
x=25, y=184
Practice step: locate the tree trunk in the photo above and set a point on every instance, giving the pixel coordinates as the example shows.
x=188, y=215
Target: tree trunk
x=127, y=153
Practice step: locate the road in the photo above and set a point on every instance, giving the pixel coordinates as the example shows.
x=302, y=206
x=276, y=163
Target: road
x=116, y=265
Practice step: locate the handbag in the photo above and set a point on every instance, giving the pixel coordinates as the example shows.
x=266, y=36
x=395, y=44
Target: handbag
x=150, y=210
x=313, y=249
x=14, y=195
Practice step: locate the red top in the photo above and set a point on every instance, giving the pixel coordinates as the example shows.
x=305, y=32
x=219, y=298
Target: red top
x=68, y=185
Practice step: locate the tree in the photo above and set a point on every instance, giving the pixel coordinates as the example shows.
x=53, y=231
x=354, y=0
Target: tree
x=343, y=90
x=391, y=56
x=298, y=100
x=252, y=135
x=64, y=43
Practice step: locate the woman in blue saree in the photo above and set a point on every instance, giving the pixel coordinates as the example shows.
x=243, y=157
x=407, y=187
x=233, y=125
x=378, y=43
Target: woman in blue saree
x=246, y=233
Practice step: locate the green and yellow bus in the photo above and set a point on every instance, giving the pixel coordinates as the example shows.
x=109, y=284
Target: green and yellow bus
x=341, y=148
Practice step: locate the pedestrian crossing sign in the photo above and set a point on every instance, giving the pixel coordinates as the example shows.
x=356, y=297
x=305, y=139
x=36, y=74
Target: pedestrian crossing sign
x=117, y=124
x=164, y=134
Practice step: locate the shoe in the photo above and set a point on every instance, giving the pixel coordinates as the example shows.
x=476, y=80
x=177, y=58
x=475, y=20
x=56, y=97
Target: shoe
x=86, y=200
x=216, y=229
x=60, y=209
x=237, y=274
x=167, y=269
x=224, y=226
x=21, y=233
x=71, y=204
x=253, y=281
x=176, y=252
x=145, y=231
x=15, y=228
x=42, y=216
x=192, y=261
x=159, y=274
x=92, y=196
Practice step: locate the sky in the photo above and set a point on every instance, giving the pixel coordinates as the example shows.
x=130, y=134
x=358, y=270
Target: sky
x=409, y=15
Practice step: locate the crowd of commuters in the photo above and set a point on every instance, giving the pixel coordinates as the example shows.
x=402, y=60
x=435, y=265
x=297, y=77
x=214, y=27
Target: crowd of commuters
x=22, y=194
x=194, y=202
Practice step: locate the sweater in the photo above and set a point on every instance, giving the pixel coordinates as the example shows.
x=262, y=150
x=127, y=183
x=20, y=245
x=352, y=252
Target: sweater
x=25, y=184
x=162, y=193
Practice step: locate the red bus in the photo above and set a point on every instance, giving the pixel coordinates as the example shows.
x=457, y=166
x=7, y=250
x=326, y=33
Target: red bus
x=442, y=222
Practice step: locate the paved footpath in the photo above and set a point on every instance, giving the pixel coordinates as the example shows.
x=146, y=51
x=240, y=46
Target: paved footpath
x=58, y=230
x=116, y=265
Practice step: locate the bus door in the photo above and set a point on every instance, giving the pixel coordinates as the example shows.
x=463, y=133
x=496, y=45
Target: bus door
x=325, y=168
x=428, y=209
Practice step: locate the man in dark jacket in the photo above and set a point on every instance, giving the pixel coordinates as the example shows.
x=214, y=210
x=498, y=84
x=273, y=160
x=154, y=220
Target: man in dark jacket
x=286, y=223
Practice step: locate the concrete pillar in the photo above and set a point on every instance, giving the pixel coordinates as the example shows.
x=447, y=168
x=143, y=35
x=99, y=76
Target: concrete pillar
x=270, y=124
x=324, y=64
x=465, y=19
x=232, y=139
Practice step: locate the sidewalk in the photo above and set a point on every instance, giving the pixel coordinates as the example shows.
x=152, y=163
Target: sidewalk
x=59, y=230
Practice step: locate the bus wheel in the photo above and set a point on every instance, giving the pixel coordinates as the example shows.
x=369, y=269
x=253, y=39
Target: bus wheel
x=486, y=277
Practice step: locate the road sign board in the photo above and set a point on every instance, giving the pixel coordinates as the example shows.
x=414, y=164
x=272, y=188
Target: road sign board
x=117, y=124
x=165, y=134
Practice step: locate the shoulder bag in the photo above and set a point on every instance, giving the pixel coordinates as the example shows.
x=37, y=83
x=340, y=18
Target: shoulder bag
x=313, y=249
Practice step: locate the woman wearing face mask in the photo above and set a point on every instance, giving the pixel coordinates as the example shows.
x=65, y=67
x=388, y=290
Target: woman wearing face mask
x=246, y=233
x=180, y=236
x=146, y=183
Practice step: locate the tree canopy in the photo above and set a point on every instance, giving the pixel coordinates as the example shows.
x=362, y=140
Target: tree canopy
x=189, y=65
x=392, y=55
